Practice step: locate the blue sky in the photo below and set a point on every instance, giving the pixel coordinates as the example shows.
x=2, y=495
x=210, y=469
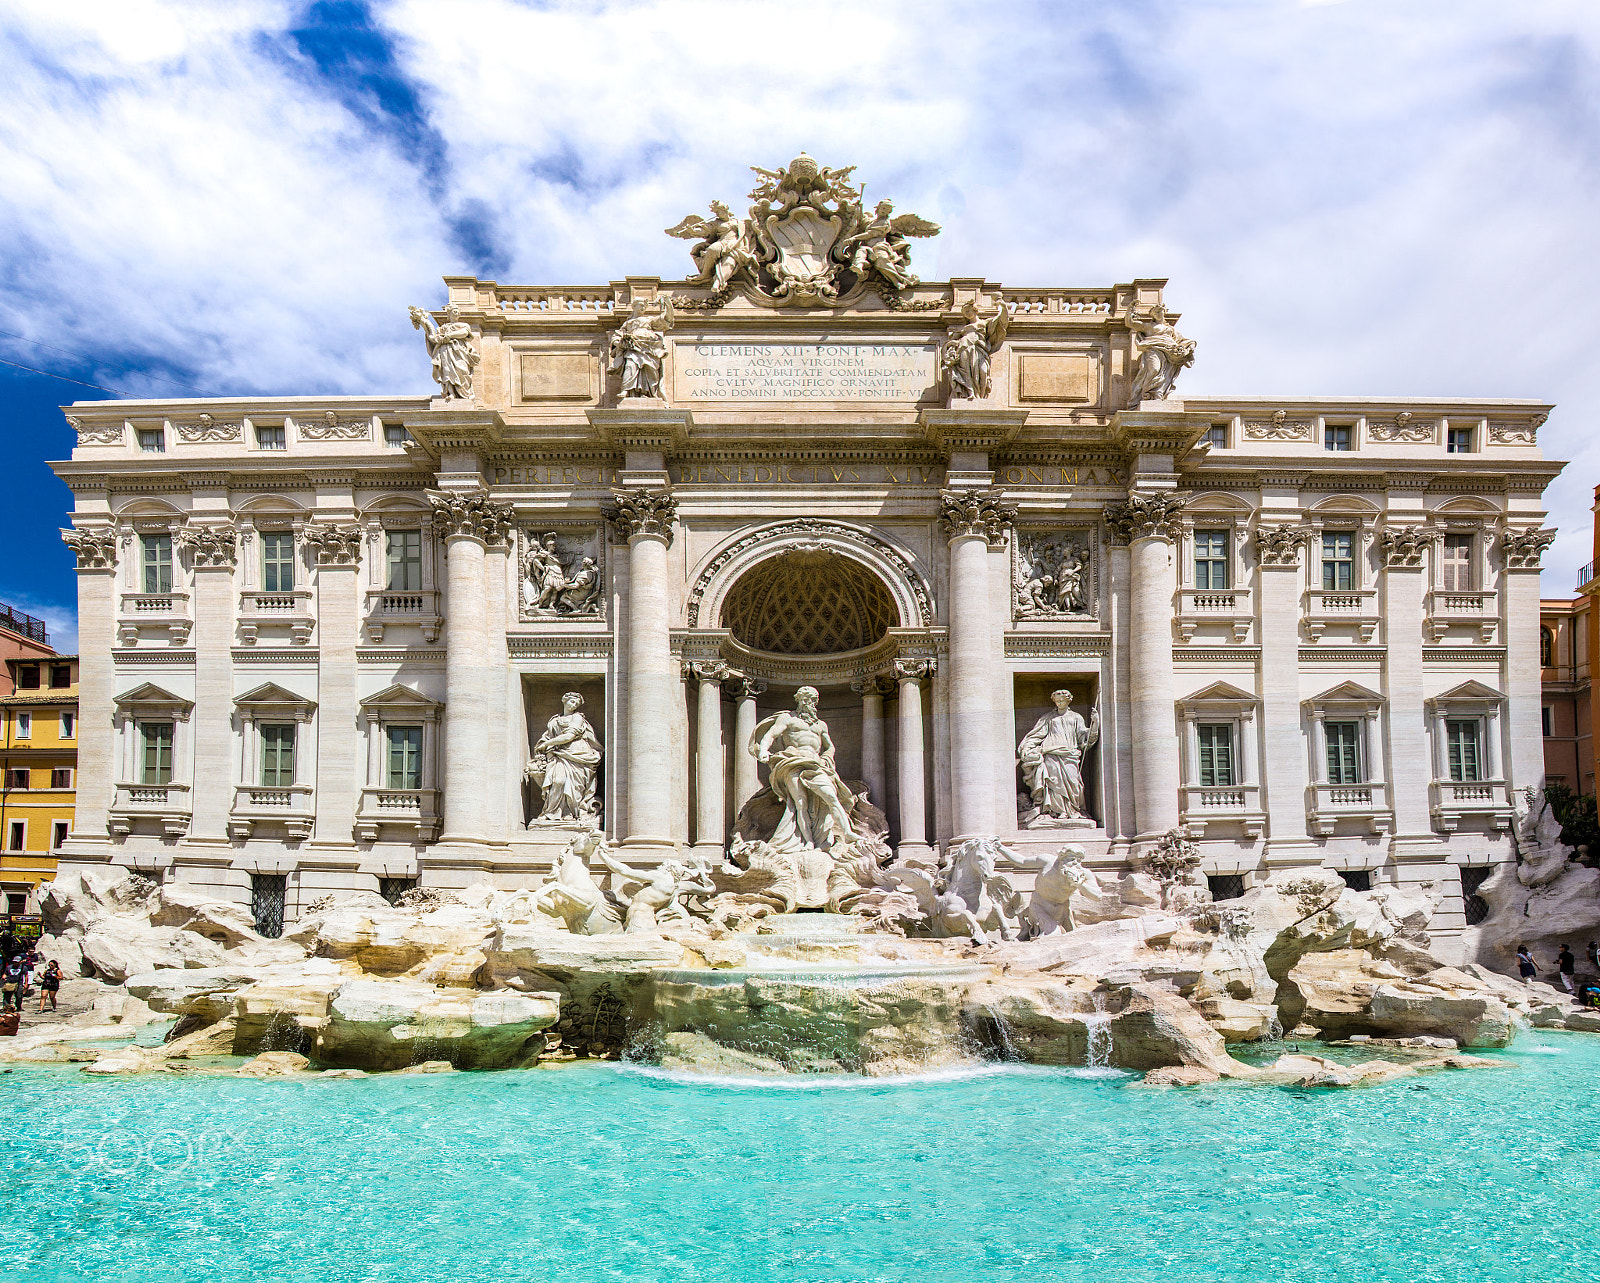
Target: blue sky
x=1385, y=197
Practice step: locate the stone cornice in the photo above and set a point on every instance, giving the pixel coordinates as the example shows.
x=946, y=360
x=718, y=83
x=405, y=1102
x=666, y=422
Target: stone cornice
x=635, y=427
x=973, y=429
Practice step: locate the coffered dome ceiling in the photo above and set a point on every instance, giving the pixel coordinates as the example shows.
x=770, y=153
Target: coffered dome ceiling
x=809, y=603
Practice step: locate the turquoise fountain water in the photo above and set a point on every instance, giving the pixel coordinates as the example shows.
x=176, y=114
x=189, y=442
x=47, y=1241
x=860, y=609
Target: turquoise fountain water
x=616, y=1172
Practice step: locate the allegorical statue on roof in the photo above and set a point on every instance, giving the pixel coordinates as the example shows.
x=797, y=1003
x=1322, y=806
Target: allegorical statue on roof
x=1163, y=353
x=808, y=241
x=638, y=348
x=966, y=356
x=450, y=349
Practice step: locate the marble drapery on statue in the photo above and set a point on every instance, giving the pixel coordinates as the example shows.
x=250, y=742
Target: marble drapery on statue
x=638, y=349
x=1051, y=756
x=1163, y=353
x=450, y=350
x=799, y=753
x=564, y=764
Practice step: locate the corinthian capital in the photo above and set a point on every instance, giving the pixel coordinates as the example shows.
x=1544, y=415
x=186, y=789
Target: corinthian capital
x=1154, y=516
x=642, y=512
x=1281, y=546
x=1523, y=548
x=473, y=516
x=95, y=547
x=1403, y=546
x=976, y=512
x=215, y=546
x=334, y=545
x=913, y=670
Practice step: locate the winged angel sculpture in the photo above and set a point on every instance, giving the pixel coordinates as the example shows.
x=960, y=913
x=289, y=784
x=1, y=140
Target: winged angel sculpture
x=808, y=240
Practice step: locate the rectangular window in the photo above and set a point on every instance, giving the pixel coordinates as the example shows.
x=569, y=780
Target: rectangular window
x=24, y=726
x=17, y=778
x=271, y=437
x=405, y=560
x=28, y=678
x=1461, y=745
x=1336, y=437
x=155, y=739
x=153, y=440
x=58, y=834
x=268, y=895
x=18, y=837
x=60, y=677
x=405, y=757
x=157, y=563
x=1458, y=441
x=61, y=777
x=1338, y=561
x=1217, y=435
x=1457, y=560
x=277, y=756
x=277, y=562
x=395, y=435
x=1357, y=879
x=69, y=725
x=1344, y=752
x=1216, y=755
x=1547, y=720
x=1210, y=559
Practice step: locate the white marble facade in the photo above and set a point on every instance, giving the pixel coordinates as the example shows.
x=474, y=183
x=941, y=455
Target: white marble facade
x=321, y=637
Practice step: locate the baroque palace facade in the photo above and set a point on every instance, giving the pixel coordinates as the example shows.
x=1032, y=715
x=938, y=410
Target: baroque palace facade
x=364, y=642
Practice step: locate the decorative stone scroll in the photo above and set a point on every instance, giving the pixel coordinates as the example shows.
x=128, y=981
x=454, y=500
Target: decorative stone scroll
x=330, y=427
x=1052, y=575
x=642, y=512
x=1524, y=548
x=1155, y=516
x=471, y=516
x=95, y=548
x=1403, y=429
x=976, y=512
x=207, y=429
x=210, y=546
x=1517, y=433
x=1281, y=547
x=334, y=545
x=1280, y=428
x=914, y=670
x=710, y=670
x=105, y=434
x=1403, y=546
x=561, y=575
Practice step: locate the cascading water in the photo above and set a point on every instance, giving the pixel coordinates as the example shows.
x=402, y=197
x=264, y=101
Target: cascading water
x=1098, y=1022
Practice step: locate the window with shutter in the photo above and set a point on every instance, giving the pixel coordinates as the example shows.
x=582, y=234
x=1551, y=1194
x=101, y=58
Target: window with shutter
x=1461, y=740
x=1216, y=755
x=1344, y=752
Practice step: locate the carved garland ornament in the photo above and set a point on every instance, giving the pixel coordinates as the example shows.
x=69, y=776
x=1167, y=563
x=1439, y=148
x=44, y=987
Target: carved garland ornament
x=809, y=526
x=1402, y=429
x=976, y=512
x=1281, y=547
x=1524, y=548
x=96, y=549
x=334, y=545
x=1404, y=545
x=210, y=546
x=205, y=428
x=471, y=516
x=1156, y=516
x=331, y=428
x=106, y=434
x=1281, y=428
x=642, y=512
x=1517, y=433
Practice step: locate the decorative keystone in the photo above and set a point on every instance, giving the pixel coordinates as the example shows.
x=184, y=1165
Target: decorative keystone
x=976, y=512
x=1156, y=516
x=642, y=512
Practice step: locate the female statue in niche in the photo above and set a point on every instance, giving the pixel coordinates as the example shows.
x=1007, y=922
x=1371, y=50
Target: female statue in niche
x=564, y=764
x=1051, y=756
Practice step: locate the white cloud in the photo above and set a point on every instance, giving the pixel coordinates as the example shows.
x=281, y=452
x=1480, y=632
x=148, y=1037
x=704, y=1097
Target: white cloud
x=1349, y=198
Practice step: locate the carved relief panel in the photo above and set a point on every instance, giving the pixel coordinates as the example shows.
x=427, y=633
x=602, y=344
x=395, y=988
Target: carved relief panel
x=561, y=574
x=1053, y=573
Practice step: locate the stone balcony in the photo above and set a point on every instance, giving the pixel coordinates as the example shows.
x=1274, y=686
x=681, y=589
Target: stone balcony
x=1455, y=800
x=1327, y=804
x=1352, y=612
x=1232, y=805
x=419, y=609
x=1229, y=608
x=291, y=807
x=168, y=611
x=290, y=610
x=1478, y=610
x=413, y=812
x=167, y=804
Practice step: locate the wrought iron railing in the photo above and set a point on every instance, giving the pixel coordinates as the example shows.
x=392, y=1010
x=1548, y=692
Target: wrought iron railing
x=15, y=621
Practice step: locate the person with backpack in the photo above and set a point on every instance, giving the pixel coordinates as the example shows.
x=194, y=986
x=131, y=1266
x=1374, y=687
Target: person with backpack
x=11, y=985
x=49, y=984
x=1567, y=965
x=1525, y=966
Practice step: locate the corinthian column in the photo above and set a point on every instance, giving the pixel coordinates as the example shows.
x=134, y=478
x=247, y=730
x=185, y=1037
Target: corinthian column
x=96, y=551
x=469, y=524
x=645, y=519
x=870, y=688
x=975, y=520
x=913, y=805
x=1148, y=524
x=1522, y=550
x=711, y=794
x=746, y=779
x=213, y=551
x=336, y=552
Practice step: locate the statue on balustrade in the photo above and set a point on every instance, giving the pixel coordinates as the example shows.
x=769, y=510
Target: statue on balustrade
x=1163, y=353
x=638, y=348
x=450, y=350
x=566, y=760
x=1051, y=756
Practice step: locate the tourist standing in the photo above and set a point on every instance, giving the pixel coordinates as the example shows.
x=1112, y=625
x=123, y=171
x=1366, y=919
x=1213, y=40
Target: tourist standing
x=1594, y=957
x=49, y=984
x=1525, y=965
x=11, y=986
x=1566, y=964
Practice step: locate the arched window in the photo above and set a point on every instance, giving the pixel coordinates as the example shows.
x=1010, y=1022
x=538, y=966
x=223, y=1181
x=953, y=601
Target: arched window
x=1547, y=648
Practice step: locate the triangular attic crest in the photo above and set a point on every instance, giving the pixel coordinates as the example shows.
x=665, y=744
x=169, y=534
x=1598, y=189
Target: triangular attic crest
x=1468, y=691
x=149, y=694
x=270, y=693
x=1346, y=693
x=398, y=696
x=1220, y=692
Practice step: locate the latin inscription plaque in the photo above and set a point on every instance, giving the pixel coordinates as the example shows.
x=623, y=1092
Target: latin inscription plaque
x=803, y=371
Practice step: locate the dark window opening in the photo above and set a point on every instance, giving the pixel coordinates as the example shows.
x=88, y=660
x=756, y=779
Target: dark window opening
x=28, y=677
x=1357, y=879
x=16, y=903
x=267, y=894
x=391, y=889
x=60, y=677
x=1225, y=886
x=1473, y=905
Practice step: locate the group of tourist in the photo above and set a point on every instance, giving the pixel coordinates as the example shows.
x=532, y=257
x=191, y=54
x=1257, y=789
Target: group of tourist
x=1567, y=969
x=18, y=961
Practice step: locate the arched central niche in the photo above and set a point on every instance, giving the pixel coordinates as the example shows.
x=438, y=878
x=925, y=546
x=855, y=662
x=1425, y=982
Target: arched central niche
x=809, y=602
